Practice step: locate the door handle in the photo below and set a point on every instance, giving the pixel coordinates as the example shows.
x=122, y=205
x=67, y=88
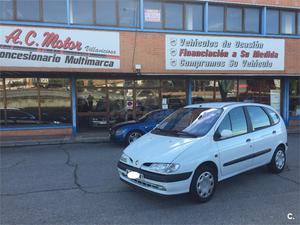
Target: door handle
x=248, y=140
x=274, y=132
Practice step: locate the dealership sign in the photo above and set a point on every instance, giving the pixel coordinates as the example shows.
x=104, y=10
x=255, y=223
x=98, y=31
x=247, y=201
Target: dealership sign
x=63, y=48
x=223, y=53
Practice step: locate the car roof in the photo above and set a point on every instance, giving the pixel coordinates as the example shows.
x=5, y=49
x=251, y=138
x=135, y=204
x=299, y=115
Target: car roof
x=219, y=105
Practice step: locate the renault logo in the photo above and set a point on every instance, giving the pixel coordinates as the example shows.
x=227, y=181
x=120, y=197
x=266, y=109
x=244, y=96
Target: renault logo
x=136, y=162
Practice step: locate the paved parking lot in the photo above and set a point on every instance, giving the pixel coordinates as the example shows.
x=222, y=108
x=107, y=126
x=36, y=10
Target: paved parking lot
x=78, y=184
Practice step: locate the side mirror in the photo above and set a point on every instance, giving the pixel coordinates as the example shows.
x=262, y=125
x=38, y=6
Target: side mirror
x=226, y=133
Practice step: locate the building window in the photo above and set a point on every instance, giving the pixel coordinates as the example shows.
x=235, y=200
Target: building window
x=28, y=10
x=55, y=101
x=193, y=17
x=55, y=11
x=106, y=12
x=173, y=93
x=252, y=20
x=298, y=23
x=294, y=99
x=272, y=21
x=153, y=14
x=226, y=90
x=202, y=91
x=216, y=18
x=287, y=22
x=6, y=9
x=129, y=13
x=82, y=12
x=234, y=19
x=173, y=16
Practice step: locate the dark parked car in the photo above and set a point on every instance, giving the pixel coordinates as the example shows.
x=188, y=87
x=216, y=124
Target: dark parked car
x=17, y=116
x=128, y=132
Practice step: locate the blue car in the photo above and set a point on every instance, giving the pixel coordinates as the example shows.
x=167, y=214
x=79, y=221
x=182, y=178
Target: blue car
x=128, y=132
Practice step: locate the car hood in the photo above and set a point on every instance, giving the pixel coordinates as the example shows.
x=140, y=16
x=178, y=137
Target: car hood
x=118, y=125
x=156, y=148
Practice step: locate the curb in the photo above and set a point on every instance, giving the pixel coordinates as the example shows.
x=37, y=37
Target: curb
x=53, y=142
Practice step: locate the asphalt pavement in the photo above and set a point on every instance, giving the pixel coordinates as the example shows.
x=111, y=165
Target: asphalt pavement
x=79, y=184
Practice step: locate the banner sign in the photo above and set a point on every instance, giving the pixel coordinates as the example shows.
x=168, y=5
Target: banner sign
x=60, y=48
x=223, y=53
x=152, y=15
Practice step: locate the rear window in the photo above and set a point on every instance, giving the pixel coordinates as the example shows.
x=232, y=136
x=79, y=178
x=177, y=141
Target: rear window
x=273, y=115
x=258, y=117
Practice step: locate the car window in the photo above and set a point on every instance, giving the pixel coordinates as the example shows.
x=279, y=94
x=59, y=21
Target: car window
x=235, y=121
x=238, y=121
x=273, y=115
x=258, y=117
x=157, y=116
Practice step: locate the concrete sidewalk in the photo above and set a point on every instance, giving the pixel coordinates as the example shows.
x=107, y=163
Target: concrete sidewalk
x=86, y=137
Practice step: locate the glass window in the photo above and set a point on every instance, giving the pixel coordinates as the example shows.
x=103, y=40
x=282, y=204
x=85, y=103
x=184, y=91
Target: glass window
x=119, y=83
x=82, y=12
x=252, y=20
x=173, y=93
x=225, y=124
x=238, y=121
x=193, y=17
x=55, y=100
x=215, y=18
x=234, y=19
x=106, y=13
x=173, y=16
x=202, y=90
x=6, y=9
x=249, y=90
x=287, y=22
x=129, y=13
x=22, y=101
x=152, y=14
x=146, y=100
x=55, y=11
x=189, y=122
x=272, y=21
x=226, y=90
x=1, y=93
x=258, y=117
x=270, y=92
x=28, y=10
x=273, y=115
x=147, y=83
x=294, y=104
x=298, y=23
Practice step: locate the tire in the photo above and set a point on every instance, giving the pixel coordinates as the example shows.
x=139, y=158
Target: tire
x=278, y=161
x=203, y=184
x=132, y=136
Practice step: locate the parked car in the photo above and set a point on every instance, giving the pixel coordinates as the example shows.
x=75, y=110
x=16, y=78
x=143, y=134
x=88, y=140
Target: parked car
x=200, y=145
x=128, y=132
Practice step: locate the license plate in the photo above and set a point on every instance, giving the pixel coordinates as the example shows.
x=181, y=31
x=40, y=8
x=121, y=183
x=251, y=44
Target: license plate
x=134, y=175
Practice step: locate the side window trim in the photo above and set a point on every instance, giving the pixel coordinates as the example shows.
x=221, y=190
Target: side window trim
x=270, y=117
x=260, y=128
x=248, y=120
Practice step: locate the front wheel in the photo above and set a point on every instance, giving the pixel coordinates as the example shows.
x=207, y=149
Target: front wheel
x=278, y=161
x=133, y=136
x=203, y=184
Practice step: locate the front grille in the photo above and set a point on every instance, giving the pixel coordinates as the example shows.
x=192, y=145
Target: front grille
x=145, y=183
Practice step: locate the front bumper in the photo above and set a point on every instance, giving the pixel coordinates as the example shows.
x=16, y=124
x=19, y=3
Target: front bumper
x=159, y=183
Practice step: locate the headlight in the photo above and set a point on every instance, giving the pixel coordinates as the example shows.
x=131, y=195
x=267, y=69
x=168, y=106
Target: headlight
x=124, y=158
x=162, y=167
x=120, y=131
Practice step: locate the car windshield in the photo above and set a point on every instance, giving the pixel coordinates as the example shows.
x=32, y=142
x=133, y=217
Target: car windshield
x=191, y=122
x=145, y=117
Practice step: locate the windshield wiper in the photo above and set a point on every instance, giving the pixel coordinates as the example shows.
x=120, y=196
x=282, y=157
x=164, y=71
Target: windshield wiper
x=179, y=132
x=175, y=132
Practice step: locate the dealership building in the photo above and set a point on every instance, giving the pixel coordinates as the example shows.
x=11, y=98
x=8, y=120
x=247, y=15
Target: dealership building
x=68, y=66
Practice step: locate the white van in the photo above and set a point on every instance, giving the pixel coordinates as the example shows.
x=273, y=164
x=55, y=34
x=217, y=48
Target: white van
x=199, y=145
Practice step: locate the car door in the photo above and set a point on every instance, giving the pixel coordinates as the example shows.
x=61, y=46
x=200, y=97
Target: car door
x=263, y=136
x=234, y=151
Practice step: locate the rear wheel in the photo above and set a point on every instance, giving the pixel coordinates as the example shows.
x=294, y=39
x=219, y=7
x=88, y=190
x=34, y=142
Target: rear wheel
x=133, y=136
x=278, y=161
x=203, y=184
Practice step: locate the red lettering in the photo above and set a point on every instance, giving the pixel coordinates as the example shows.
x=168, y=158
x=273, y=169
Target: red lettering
x=14, y=36
x=53, y=40
x=28, y=35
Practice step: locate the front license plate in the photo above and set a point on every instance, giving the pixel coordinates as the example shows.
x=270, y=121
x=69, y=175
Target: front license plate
x=134, y=175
